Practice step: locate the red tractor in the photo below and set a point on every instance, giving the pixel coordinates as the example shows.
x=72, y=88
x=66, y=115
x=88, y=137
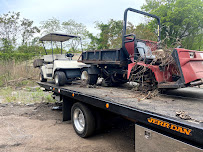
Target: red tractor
x=135, y=62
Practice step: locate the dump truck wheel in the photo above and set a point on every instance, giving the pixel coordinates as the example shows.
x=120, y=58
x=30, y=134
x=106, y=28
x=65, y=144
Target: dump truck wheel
x=41, y=77
x=60, y=78
x=83, y=120
x=93, y=79
x=90, y=79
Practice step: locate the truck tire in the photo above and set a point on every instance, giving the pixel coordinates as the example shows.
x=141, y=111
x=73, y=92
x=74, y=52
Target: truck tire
x=41, y=77
x=38, y=63
x=83, y=120
x=90, y=79
x=60, y=78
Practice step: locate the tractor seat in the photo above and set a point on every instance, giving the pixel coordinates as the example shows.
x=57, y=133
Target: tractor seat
x=146, y=54
x=145, y=51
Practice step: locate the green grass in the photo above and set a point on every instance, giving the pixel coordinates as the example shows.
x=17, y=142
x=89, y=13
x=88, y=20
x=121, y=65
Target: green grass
x=25, y=95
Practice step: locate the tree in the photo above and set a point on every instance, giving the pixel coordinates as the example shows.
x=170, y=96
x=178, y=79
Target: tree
x=9, y=27
x=111, y=34
x=142, y=31
x=74, y=28
x=115, y=33
x=109, y=37
x=194, y=42
x=7, y=47
x=50, y=25
x=68, y=27
x=12, y=28
x=27, y=30
x=181, y=20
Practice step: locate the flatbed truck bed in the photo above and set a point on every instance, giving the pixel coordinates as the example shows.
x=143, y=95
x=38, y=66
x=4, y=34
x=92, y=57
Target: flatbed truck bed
x=157, y=114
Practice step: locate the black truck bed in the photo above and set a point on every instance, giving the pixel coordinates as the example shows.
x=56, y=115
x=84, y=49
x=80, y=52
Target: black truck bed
x=155, y=113
x=189, y=100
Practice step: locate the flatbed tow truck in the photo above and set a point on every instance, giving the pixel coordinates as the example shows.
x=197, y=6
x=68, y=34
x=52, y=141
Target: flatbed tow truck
x=157, y=128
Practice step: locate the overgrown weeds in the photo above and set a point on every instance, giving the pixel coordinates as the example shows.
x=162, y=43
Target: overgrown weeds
x=17, y=73
x=16, y=79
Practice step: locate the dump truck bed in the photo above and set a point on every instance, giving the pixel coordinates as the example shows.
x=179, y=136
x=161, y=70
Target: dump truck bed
x=108, y=56
x=158, y=113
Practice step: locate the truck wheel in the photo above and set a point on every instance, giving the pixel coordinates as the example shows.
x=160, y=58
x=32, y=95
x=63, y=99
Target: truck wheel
x=60, y=78
x=83, y=120
x=90, y=79
x=41, y=77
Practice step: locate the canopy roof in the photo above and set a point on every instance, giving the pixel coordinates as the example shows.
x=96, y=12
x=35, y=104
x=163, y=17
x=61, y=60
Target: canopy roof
x=59, y=37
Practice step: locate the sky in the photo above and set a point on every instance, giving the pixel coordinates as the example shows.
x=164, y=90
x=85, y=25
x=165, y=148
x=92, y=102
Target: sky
x=82, y=11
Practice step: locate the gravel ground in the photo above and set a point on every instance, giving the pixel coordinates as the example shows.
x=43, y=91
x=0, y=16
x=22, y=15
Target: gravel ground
x=37, y=128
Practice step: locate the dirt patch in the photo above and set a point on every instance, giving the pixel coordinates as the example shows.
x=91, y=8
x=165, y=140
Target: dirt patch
x=35, y=127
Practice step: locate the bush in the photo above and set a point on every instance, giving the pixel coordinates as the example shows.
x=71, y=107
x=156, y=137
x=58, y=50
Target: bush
x=15, y=56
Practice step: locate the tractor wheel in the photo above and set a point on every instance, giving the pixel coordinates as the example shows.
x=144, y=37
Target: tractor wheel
x=83, y=120
x=60, y=78
x=41, y=77
x=90, y=79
